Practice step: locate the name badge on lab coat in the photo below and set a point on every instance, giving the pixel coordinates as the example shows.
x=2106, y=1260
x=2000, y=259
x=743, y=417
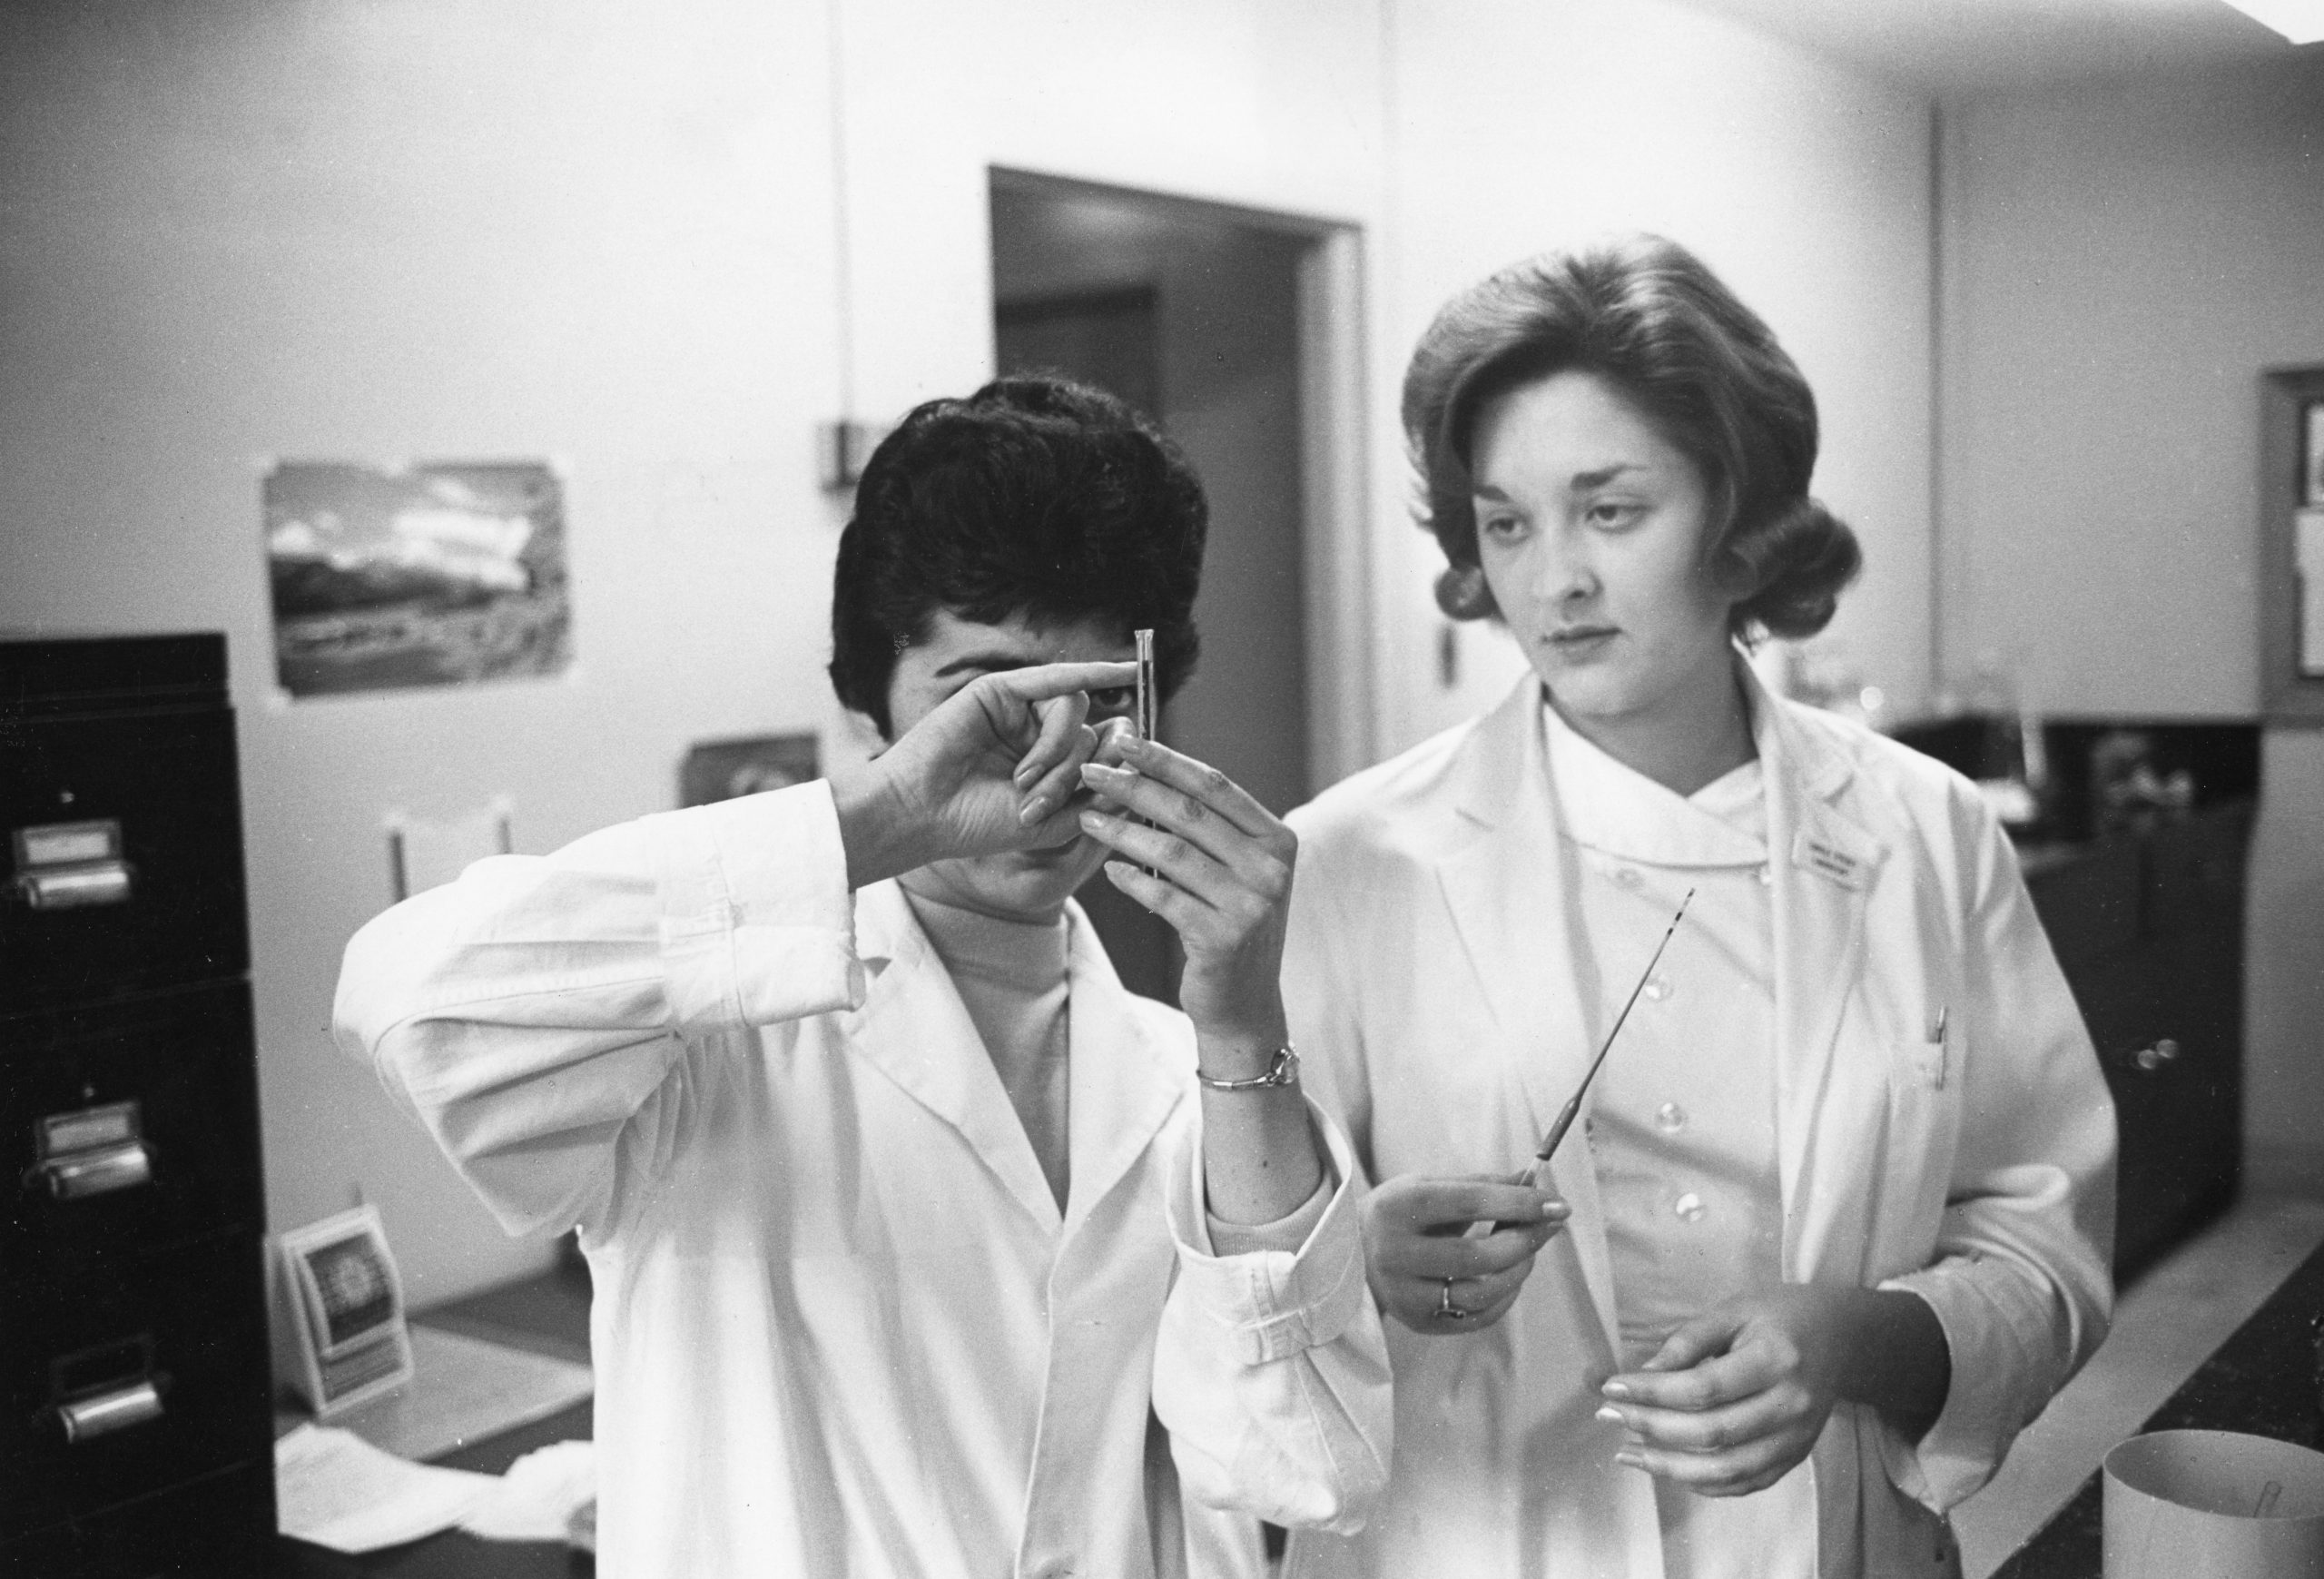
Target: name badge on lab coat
x=1829, y=860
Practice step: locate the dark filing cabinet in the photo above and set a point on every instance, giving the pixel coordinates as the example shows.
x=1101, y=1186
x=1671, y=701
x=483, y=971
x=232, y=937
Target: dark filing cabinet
x=135, y=1433
x=2142, y=891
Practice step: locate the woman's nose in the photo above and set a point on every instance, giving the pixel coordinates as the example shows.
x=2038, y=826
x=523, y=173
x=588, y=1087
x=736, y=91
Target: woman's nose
x=1562, y=574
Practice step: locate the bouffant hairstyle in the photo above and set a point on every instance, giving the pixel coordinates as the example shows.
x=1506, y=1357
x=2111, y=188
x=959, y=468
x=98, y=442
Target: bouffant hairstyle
x=1646, y=315
x=1037, y=497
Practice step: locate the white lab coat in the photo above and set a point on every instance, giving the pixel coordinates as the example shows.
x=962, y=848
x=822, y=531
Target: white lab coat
x=1430, y=981
x=841, y=1325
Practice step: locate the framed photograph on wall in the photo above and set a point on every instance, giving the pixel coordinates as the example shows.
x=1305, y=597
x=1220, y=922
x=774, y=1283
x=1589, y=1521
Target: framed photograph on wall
x=389, y=577
x=749, y=764
x=2291, y=545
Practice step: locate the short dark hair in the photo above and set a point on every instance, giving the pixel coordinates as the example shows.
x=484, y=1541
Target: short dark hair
x=1649, y=317
x=1035, y=498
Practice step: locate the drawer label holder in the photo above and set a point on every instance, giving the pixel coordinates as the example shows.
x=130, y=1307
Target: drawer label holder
x=70, y=865
x=92, y=1151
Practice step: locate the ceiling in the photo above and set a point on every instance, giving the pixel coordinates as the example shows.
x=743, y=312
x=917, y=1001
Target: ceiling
x=1958, y=48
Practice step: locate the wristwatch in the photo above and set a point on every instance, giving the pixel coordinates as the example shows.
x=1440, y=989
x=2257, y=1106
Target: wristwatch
x=1283, y=1069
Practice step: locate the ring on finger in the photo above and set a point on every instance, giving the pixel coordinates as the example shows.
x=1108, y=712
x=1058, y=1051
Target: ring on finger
x=1448, y=1312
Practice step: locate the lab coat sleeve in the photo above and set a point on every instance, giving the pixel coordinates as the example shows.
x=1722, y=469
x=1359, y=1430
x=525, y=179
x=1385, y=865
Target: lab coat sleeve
x=1270, y=1370
x=1322, y=988
x=531, y=1010
x=2021, y=1283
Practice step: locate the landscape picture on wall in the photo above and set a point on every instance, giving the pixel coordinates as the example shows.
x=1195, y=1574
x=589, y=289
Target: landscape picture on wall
x=443, y=574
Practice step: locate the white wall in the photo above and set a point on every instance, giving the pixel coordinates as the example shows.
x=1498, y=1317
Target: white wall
x=1518, y=125
x=427, y=230
x=2121, y=262
x=609, y=235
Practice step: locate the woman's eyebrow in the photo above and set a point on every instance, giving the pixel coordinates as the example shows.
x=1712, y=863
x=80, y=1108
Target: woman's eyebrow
x=991, y=662
x=1604, y=475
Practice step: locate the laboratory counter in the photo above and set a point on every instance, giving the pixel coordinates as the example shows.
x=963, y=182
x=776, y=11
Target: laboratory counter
x=550, y=1315
x=2263, y=1380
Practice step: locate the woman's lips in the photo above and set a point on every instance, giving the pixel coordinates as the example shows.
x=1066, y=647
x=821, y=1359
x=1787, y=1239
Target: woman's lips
x=1582, y=641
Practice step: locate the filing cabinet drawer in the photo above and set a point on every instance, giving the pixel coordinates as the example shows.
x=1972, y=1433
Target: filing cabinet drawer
x=131, y=1378
x=125, y=1128
x=120, y=848
x=221, y=1525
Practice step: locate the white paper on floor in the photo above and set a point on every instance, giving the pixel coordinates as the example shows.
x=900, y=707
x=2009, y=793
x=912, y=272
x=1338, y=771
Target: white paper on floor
x=536, y=1499
x=335, y=1489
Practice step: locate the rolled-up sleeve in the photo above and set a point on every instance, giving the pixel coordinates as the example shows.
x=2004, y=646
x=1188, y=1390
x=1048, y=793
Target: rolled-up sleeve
x=529, y=1010
x=1271, y=1370
x=2021, y=1283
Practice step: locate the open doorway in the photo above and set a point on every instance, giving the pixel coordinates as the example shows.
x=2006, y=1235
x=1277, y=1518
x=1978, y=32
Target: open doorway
x=1233, y=329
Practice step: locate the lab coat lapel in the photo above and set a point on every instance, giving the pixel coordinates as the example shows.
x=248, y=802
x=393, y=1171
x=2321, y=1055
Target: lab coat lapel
x=1823, y=866
x=1124, y=1081
x=1507, y=884
x=915, y=1030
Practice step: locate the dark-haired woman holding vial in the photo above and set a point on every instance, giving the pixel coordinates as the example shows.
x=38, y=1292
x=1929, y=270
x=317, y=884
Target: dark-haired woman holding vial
x=1835, y=1224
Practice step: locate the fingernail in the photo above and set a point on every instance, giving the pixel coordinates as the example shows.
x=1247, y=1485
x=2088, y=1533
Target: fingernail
x=1034, y=810
x=1615, y=1391
x=1556, y=1209
x=1026, y=774
x=1631, y=1459
x=1611, y=1416
x=1100, y=774
x=1094, y=821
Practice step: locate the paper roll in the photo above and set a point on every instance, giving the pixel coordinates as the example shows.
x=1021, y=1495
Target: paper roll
x=2218, y=1503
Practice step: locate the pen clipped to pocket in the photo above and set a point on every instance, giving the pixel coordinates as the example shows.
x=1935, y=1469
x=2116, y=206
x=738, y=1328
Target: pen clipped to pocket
x=1932, y=1055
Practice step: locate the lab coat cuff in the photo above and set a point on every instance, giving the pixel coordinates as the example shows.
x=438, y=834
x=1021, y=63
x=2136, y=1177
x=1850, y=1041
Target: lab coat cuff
x=757, y=922
x=1273, y=1303
x=1961, y=1450
x=1286, y=1233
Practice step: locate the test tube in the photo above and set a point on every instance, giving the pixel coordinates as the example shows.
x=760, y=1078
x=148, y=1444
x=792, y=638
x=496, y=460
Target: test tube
x=1145, y=689
x=1147, y=725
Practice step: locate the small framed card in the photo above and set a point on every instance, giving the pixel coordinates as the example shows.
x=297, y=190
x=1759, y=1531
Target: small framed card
x=345, y=1312
x=2291, y=545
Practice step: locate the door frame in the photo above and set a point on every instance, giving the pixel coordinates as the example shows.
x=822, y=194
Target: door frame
x=1335, y=487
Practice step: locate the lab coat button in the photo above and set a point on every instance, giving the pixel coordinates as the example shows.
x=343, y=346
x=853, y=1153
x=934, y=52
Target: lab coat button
x=1657, y=989
x=1628, y=877
x=1669, y=1118
x=1767, y=878
x=1689, y=1207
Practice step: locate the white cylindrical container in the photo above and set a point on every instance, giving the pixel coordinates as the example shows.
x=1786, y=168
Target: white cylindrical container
x=2217, y=1503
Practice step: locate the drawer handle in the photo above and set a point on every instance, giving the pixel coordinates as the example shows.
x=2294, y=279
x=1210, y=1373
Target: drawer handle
x=66, y=865
x=108, y=1412
x=92, y=1151
x=2155, y=1058
x=80, y=1174
x=74, y=887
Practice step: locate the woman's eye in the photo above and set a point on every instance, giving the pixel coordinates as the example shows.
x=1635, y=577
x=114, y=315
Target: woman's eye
x=1113, y=699
x=1609, y=514
x=1500, y=526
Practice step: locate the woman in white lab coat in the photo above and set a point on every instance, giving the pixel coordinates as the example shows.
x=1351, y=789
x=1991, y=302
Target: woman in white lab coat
x=921, y=1248
x=1841, y=1205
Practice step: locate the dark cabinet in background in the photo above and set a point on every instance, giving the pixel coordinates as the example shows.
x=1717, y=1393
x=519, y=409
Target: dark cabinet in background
x=135, y=1430
x=2144, y=907
x=2148, y=930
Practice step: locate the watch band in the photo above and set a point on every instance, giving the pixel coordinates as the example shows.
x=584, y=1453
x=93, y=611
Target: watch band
x=1283, y=1069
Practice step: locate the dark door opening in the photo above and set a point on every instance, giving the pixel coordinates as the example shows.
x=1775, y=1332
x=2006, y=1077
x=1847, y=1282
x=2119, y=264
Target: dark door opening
x=1191, y=312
